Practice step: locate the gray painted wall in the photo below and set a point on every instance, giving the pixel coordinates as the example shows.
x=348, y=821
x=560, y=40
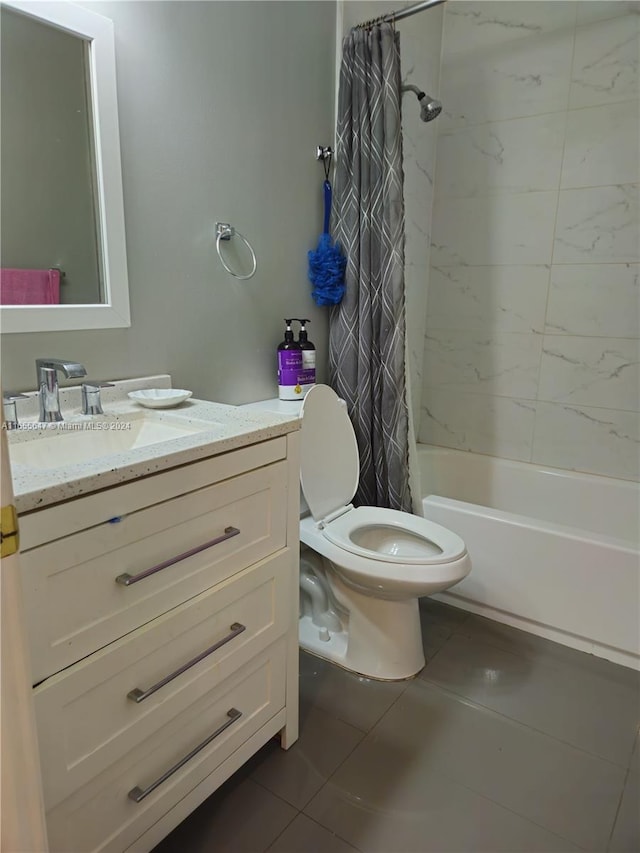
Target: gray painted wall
x=221, y=106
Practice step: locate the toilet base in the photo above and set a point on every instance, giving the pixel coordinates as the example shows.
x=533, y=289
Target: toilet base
x=381, y=639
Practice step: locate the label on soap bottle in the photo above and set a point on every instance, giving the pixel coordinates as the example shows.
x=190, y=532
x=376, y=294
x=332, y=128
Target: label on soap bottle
x=308, y=373
x=290, y=374
x=289, y=366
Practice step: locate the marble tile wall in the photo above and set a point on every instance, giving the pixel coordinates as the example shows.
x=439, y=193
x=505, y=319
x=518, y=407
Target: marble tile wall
x=531, y=347
x=420, y=46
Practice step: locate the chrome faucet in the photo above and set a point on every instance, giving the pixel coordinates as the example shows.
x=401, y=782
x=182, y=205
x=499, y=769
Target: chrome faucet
x=47, y=370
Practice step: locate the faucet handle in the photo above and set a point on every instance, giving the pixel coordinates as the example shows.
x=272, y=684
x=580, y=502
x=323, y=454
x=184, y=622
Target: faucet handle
x=96, y=386
x=9, y=399
x=91, y=403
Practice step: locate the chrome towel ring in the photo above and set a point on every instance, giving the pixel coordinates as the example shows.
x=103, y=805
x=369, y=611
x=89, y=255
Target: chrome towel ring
x=224, y=231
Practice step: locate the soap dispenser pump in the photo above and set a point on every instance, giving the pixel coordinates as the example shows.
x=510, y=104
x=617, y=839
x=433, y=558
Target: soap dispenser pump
x=289, y=366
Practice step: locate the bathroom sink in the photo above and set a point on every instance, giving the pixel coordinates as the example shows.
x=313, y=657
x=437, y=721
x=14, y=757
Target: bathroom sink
x=74, y=442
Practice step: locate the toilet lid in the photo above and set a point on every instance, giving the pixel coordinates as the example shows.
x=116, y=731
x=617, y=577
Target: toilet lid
x=329, y=464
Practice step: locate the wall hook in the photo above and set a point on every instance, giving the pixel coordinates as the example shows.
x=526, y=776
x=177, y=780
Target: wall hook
x=324, y=152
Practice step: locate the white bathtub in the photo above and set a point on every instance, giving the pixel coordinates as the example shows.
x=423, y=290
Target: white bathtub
x=554, y=552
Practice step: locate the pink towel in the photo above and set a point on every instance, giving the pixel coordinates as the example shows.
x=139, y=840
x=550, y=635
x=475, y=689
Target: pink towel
x=29, y=287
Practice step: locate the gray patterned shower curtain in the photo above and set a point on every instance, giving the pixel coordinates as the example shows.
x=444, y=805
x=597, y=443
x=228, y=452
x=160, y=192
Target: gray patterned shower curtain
x=367, y=329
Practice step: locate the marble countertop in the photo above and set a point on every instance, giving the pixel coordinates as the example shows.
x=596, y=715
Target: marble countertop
x=218, y=428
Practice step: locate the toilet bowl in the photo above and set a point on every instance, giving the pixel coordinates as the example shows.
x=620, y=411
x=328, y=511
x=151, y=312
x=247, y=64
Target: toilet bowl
x=371, y=564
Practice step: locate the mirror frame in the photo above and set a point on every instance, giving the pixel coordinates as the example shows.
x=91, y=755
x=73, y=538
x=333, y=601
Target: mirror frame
x=114, y=311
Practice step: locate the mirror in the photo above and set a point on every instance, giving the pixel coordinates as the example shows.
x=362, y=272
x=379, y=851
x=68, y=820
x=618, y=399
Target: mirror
x=63, y=238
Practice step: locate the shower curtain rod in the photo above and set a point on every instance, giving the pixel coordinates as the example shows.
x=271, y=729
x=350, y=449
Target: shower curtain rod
x=400, y=14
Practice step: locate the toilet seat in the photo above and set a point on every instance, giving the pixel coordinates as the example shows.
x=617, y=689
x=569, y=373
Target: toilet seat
x=404, y=539
x=329, y=473
x=390, y=580
x=381, y=552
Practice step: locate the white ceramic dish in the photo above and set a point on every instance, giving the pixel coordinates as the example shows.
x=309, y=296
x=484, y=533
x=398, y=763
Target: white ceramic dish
x=160, y=398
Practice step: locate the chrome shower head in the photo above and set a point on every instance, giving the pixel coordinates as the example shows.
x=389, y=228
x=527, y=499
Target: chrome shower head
x=430, y=108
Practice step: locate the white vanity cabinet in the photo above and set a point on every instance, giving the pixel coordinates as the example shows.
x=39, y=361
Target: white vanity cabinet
x=162, y=617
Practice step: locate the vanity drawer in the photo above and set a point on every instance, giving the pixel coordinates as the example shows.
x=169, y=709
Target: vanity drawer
x=192, y=542
x=87, y=718
x=39, y=526
x=104, y=816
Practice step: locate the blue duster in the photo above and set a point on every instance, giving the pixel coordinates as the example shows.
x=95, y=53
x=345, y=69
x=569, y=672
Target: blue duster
x=327, y=263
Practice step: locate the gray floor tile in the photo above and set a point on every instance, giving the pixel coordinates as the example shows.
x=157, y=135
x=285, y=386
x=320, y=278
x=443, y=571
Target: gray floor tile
x=569, y=792
x=351, y=698
x=626, y=833
x=508, y=742
x=436, y=612
x=595, y=711
x=299, y=772
x=221, y=823
x=434, y=636
x=522, y=642
x=439, y=622
x=306, y=836
x=399, y=811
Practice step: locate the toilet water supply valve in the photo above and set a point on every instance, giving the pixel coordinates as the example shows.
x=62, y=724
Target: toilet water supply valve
x=296, y=363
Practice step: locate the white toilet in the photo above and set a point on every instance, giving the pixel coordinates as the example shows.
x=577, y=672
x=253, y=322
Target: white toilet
x=364, y=568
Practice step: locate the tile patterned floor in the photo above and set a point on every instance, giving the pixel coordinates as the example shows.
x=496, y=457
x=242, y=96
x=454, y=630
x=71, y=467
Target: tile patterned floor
x=504, y=742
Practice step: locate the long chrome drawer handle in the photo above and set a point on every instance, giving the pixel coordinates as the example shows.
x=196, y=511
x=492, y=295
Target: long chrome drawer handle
x=127, y=579
x=138, y=695
x=137, y=794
